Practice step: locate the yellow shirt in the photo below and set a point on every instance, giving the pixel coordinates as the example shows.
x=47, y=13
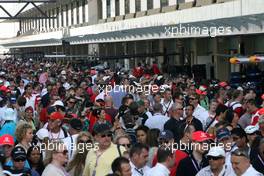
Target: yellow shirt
x=104, y=161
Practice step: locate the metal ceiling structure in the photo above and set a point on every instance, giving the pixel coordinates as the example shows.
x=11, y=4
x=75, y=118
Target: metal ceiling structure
x=18, y=16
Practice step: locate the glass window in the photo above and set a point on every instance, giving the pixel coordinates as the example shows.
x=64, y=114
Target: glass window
x=108, y=8
x=164, y=3
x=72, y=15
x=57, y=13
x=62, y=16
x=127, y=7
x=117, y=8
x=83, y=10
x=138, y=5
x=77, y=11
x=66, y=9
x=150, y=4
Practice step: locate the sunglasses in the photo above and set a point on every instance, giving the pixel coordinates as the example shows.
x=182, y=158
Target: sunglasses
x=180, y=109
x=19, y=160
x=214, y=158
x=86, y=142
x=64, y=152
x=191, y=98
x=71, y=102
x=164, y=141
x=126, y=145
x=239, y=153
x=106, y=135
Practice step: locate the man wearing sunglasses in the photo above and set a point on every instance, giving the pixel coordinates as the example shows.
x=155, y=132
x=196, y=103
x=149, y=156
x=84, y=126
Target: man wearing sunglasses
x=18, y=157
x=192, y=164
x=241, y=164
x=217, y=167
x=99, y=159
x=70, y=142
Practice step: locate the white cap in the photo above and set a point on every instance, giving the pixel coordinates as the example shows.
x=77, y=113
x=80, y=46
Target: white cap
x=106, y=77
x=9, y=114
x=159, y=77
x=131, y=77
x=58, y=103
x=42, y=133
x=251, y=129
x=240, y=88
x=136, y=83
x=44, y=92
x=67, y=86
x=63, y=72
x=216, y=151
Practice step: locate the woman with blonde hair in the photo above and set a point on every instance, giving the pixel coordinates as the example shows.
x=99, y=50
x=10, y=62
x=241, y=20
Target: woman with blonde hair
x=24, y=135
x=84, y=144
x=56, y=160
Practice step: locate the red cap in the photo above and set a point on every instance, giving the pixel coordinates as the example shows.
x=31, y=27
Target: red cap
x=200, y=136
x=201, y=90
x=56, y=116
x=223, y=84
x=3, y=88
x=7, y=140
x=92, y=72
x=261, y=111
x=262, y=96
x=29, y=109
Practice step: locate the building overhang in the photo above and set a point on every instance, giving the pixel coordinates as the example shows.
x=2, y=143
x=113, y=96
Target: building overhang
x=242, y=17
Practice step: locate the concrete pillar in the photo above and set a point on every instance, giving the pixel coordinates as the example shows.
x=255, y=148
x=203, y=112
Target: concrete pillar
x=48, y=21
x=112, y=8
x=172, y=2
x=156, y=4
x=104, y=9
x=144, y=5
x=69, y=15
x=86, y=11
x=161, y=58
x=122, y=7
x=126, y=61
x=80, y=12
x=132, y=6
x=55, y=19
x=37, y=24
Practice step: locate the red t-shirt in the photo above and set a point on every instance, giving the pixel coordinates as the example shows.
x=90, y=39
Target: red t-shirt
x=179, y=155
x=93, y=120
x=255, y=117
x=43, y=116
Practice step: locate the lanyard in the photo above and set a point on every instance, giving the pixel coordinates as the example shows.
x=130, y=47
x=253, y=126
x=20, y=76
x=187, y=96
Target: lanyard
x=195, y=164
x=139, y=171
x=96, y=163
x=262, y=162
x=71, y=146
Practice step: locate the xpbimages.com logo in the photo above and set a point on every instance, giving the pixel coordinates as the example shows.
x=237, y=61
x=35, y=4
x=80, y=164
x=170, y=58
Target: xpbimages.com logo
x=188, y=30
x=194, y=146
x=145, y=89
x=80, y=147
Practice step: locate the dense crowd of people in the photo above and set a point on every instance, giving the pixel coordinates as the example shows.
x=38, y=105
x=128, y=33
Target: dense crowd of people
x=61, y=120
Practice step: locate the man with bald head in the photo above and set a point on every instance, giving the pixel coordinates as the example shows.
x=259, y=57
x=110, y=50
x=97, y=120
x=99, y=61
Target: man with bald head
x=109, y=107
x=241, y=164
x=176, y=113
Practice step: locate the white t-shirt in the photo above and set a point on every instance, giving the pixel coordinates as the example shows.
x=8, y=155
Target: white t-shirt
x=251, y=172
x=158, y=170
x=54, y=171
x=70, y=143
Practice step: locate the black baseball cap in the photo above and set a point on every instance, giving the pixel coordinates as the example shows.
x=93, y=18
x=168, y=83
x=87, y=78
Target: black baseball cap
x=19, y=153
x=76, y=124
x=101, y=129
